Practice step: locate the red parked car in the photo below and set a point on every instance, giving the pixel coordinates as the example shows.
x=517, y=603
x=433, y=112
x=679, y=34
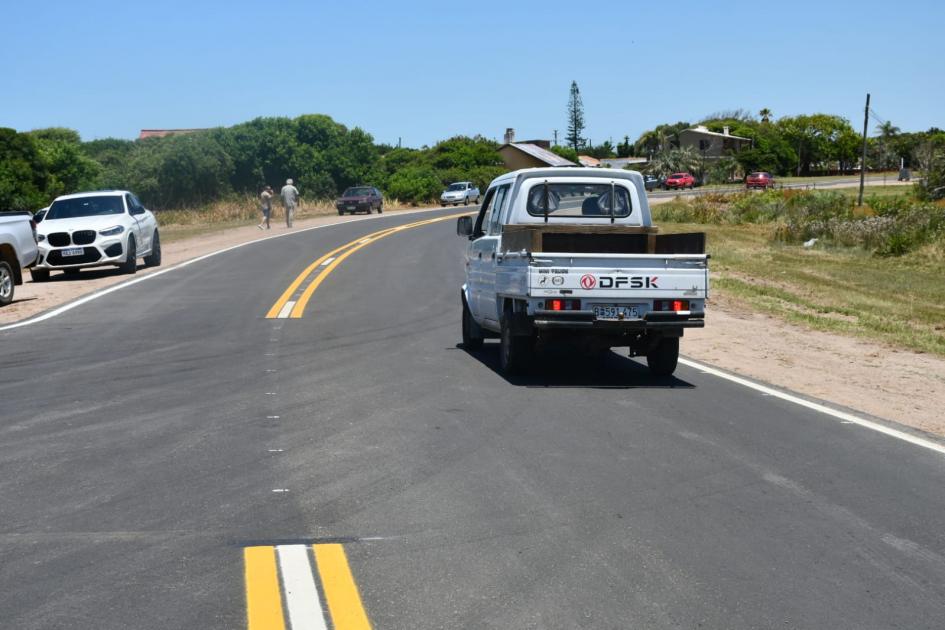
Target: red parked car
x=759, y=180
x=679, y=180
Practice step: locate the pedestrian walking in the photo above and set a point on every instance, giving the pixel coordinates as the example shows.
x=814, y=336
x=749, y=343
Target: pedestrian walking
x=290, y=198
x=265, y=204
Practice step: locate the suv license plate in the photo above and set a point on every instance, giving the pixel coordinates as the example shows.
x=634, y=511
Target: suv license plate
x=606, y=311
x=72, y=251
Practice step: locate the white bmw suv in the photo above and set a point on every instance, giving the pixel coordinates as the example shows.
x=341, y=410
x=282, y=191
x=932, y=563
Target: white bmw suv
x=94, y=229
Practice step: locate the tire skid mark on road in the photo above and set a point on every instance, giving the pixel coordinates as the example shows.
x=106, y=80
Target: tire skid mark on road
x=312, y=585
x=288, y=308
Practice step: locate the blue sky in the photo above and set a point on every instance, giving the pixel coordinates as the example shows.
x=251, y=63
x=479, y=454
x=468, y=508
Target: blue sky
x=425, y=71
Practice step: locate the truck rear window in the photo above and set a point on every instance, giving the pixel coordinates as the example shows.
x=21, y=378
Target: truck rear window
x=579, y=200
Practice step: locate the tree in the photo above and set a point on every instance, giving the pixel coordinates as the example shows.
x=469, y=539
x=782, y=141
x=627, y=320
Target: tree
x=566, y=152
x=575, y=118
x=674, y=160
x=625, y=148
x=887, y=133
x=70, y=169
x=929, y=155
x=23, y=174
x=661, y=138
x=814, y=137
x=601, y=151
x=765, y=114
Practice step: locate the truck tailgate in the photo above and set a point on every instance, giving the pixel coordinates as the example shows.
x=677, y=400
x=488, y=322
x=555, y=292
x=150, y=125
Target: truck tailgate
x=619, y=276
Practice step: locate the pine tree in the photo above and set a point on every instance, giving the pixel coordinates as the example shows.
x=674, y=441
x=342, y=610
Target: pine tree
x=575, y=118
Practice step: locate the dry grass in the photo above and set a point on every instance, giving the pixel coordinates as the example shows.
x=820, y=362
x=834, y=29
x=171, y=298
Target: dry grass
x=899, y=300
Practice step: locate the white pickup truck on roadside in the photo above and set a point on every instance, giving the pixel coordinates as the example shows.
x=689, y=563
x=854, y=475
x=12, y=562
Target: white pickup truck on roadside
x=570, y=255
x=18, y=251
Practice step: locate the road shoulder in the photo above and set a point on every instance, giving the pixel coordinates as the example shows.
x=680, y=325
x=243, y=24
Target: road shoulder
x=880, y=380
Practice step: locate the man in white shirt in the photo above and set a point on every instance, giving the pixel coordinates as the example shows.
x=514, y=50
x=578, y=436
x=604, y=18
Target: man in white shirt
x=290, y=199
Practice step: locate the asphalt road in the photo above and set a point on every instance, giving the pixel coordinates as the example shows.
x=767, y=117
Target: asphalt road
x=165, y=447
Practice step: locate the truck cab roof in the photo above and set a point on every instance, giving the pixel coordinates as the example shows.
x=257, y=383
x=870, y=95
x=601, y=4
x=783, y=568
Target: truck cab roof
x=630, y=200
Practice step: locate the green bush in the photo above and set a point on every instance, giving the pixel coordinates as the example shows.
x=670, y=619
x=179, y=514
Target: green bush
x=901, y=225
x=414, y=184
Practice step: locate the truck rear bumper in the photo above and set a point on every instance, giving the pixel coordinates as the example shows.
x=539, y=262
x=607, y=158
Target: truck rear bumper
x=585, y=320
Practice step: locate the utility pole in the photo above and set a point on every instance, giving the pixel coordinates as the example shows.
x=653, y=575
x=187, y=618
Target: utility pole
x=866, y=122
x=556, y=137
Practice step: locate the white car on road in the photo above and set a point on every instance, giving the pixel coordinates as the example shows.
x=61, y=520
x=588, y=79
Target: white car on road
x=94, y=229
x=460, y=193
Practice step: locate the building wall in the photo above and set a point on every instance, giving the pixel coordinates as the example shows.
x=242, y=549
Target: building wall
x=718, y=145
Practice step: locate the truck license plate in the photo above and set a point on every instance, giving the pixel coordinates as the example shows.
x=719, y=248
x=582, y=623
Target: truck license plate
x=72, y=251
x=609, y=311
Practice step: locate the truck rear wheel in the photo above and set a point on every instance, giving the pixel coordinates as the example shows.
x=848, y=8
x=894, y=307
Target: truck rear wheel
x=663, y=357
x=515, y=351
x=472, y=333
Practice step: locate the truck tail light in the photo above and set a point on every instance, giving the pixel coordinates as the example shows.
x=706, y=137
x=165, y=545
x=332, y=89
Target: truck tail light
x=563, y=305
x=671, y=305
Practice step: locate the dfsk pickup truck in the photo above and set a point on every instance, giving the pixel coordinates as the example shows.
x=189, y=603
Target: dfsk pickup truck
x=570, y=255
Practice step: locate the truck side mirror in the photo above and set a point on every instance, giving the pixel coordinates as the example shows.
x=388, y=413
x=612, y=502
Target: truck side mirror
x=464, y=226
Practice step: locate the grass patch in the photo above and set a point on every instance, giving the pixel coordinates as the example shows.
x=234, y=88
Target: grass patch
x=898, y=300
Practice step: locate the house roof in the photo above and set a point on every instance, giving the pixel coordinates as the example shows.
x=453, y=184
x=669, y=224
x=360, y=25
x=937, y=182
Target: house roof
x=546, y=156
x=704, y=131
x=160, y=133
x=623, y=162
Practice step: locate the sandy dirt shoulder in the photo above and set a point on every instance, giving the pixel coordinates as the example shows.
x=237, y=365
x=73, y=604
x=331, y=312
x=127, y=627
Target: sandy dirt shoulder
x=880, y=380
x=874, y=378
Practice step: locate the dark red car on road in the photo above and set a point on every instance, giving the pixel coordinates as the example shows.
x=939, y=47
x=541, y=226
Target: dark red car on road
x=759, y=180
x=360, y=199
x=679, y=180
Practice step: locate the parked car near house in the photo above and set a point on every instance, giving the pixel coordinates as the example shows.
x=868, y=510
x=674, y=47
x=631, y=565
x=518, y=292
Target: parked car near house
x=360, y=199
x=94, y=229
x=460, y=193
x=759, y=179
x=652, y=182
x=679, y=180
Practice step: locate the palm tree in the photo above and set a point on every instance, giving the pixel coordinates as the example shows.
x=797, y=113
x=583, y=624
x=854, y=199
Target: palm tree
x=675, y=160
x=887, y=130
x=765, y=114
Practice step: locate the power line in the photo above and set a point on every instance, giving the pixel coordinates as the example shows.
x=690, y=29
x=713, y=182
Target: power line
x=877, y=117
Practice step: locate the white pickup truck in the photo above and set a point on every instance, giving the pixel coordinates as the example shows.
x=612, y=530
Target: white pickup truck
x=17, y=251
x=570, y=255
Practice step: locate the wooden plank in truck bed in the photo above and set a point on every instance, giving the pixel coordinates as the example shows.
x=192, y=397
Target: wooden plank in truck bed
x=599, y=239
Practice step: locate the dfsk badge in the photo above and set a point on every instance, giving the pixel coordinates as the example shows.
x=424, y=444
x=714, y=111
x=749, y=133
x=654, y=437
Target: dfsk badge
x=588, y=282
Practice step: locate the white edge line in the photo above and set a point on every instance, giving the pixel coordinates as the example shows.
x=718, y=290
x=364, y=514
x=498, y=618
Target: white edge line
x=59, y=310
x=301, y=595
x=836, y=413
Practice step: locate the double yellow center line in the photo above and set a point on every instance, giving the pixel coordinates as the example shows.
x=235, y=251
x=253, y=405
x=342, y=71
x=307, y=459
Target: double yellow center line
x=287, y=308
x=269, y=599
